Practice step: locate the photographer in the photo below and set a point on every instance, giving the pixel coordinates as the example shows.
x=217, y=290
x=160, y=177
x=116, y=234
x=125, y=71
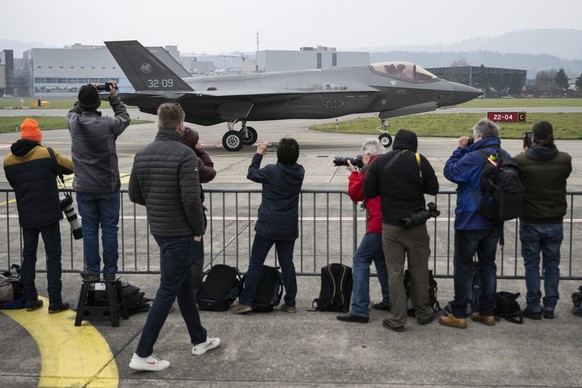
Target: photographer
x=401, y=177
x=474, y=234
x=97, y=179
x=544, y=171
x=370, y=248
x=31, y=172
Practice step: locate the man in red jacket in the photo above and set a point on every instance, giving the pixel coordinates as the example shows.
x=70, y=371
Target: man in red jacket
x=370, y=248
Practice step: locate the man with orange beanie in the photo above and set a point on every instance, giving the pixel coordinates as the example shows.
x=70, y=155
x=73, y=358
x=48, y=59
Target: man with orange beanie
x=32, y=174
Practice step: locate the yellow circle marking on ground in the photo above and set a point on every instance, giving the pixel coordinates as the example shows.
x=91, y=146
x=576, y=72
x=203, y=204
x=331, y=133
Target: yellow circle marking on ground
x=71, y=355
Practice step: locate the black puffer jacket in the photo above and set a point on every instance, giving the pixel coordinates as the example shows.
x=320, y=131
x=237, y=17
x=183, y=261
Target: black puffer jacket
x=164, y=178
x=32, y=174
x=399, y=185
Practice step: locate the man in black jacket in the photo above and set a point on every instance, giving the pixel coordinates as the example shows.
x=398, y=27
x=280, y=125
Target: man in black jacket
x=32, y=174
x=164, y=179
x=402, y=177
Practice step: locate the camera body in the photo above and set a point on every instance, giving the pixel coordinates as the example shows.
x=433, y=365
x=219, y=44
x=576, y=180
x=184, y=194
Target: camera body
x=69, y=210
x=343, y=161
x=527, y=139
x=421, y=216
x=105, y=87
x=470, y=141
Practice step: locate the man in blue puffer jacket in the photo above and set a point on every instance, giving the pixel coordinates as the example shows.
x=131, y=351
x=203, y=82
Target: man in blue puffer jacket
x=473, y=233
x=277, y=223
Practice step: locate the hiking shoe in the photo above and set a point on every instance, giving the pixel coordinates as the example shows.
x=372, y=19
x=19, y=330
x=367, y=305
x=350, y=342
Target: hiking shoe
x=241, y=309
x=536, y=315
x=392, y=326
x=200, y=349
x=150, y=363
x=288, y=309
x=351, y=317
x=89, y=277
x=577, y=311
x=57, y=308
x=452, y=321
x=488, y=320
x=381, y=306
x=33, y=306
x=548, y=314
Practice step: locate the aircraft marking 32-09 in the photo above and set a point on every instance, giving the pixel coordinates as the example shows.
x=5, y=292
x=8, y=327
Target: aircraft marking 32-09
x=391, y=88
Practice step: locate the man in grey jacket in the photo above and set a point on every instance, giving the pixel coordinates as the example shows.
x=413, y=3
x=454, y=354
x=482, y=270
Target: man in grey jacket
x=96, y=179
x=176, y=220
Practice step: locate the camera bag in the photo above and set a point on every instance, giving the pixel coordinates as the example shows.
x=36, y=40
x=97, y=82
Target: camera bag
x=270, y=290
x=507, y=307
x=432, y=293
x=220, y=288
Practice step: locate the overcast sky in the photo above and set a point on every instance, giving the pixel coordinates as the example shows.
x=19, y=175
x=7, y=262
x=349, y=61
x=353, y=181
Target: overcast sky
x=221, y=26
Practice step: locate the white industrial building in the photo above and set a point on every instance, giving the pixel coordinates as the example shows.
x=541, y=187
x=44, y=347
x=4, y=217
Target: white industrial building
x=49, y=72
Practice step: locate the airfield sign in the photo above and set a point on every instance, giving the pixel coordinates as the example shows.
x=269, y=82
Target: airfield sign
x=506, y=117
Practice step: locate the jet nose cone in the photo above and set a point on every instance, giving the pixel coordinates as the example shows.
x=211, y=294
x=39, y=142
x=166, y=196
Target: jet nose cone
x=463, y=93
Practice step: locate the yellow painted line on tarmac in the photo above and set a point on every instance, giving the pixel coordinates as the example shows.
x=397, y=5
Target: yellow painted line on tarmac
x=72, y=356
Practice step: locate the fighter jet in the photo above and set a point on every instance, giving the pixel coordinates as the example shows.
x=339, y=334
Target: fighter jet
x=391, y=88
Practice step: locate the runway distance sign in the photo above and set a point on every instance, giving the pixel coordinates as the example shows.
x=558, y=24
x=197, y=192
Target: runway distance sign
x=506, y=117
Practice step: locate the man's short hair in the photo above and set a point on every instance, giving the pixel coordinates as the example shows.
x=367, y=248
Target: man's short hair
x=543, y=132
x=170, y=116
x=486, y=128
x=373, y=147
x=288, y=151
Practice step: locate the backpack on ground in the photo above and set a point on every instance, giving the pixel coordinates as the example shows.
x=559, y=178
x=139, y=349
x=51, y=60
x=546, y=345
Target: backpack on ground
x=336, y=288
x=577, y=297
x=270, y=290
x=219, y=288
x=11, y=295
x=133, y=299
x=507, y=307
x=501, y=188
x=432, y=293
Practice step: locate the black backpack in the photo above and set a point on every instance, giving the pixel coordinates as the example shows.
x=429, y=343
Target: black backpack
x=336, y=288
x=220, y=288
x=507, y=307
x=501, y=187
x=133, y=299
x=270, y=290
x=432, y=293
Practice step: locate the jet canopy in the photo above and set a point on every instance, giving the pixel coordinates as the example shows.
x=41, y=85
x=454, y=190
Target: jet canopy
x=405, y=70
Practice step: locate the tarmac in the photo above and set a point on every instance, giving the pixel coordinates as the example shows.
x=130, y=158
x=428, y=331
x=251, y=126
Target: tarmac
x=305, y=349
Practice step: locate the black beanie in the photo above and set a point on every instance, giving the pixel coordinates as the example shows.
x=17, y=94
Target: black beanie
x=89, y=97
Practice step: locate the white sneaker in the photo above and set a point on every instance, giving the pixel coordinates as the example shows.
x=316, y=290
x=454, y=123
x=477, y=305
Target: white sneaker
x=200, y=349
x=150, y=363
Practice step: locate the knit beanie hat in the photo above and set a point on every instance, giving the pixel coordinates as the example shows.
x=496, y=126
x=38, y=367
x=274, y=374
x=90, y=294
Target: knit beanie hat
x=29, y=130
x=89, y=97
x=543, y=130
x=190, y=137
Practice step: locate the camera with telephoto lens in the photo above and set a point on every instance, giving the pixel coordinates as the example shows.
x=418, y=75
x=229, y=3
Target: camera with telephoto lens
x=343, y=161
x=420, y=217
x=105, y=87
x=69, y=210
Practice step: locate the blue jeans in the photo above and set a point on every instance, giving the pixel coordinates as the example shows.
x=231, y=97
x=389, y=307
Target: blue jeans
x=51, y=235
x=99, y=210
x=177, y=256
x=370, y=249
x=261, y=247
x=547, y=239
x=467, y=244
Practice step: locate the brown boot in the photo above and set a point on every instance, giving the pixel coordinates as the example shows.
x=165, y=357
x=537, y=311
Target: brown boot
x=488, y=320
x=452, y=321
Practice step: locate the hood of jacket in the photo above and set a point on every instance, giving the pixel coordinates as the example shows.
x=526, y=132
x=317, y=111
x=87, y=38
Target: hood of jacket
x=541, y=152
x=405, y=140
x=23, y=147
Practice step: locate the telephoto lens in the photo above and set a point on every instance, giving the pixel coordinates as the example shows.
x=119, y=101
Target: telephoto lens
x=69, y=210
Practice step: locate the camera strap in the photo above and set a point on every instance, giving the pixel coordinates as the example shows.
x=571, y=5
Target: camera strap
x=56, y=167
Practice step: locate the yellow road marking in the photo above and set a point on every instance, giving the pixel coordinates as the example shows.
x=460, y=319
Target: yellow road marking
x=71, y=355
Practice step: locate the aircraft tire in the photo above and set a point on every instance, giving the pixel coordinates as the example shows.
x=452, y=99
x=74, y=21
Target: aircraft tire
x=232, y=141
x=385, y=139
x=251, y=136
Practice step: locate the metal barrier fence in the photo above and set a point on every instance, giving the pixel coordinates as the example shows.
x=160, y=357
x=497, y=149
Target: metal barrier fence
x=330, y=228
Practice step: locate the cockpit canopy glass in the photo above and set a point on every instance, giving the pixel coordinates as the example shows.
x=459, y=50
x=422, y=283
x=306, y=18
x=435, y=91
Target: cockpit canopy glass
x=405, y=70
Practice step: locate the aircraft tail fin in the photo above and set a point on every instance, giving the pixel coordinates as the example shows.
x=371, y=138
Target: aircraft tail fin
x=143, y=69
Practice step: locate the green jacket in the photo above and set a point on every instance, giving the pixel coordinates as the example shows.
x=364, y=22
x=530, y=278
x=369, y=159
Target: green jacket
x=544, y=171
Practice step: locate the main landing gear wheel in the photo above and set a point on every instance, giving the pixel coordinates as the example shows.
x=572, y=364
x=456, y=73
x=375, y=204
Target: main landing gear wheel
x=385, y=139
x=232, y=141
x=249, y=135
